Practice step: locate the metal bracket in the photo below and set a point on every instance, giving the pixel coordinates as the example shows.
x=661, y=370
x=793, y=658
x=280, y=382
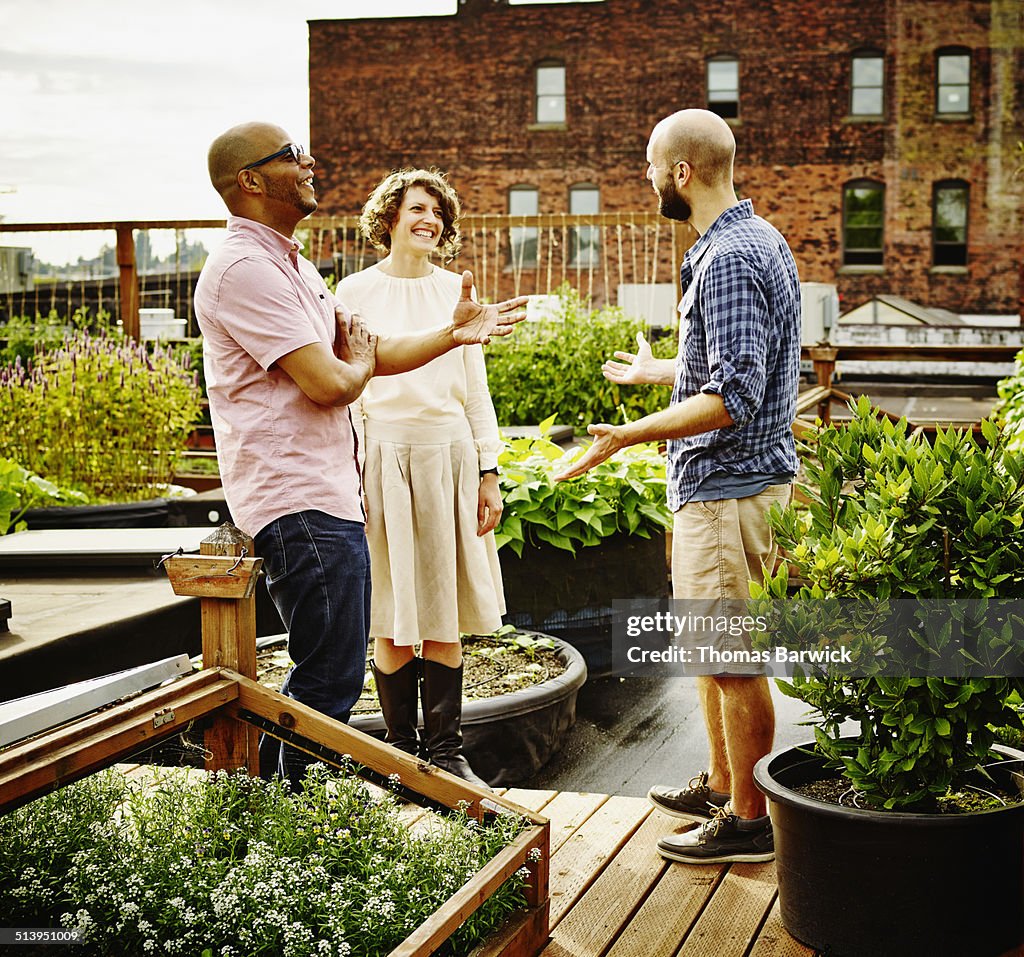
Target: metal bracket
x=162, y=717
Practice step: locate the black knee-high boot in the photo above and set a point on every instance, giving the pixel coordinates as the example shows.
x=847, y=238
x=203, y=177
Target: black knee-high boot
x=442, y=720
x=399, y=699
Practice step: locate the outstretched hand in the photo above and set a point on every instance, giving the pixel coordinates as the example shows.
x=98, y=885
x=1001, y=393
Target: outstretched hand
x=475, y=323
x=608, y=439
x=639, y=369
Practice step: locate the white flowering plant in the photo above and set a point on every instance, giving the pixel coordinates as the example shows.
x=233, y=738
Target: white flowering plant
x=225, y=865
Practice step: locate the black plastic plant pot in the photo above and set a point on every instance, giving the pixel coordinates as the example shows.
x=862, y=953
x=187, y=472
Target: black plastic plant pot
x=510, y=737
x=855, y=882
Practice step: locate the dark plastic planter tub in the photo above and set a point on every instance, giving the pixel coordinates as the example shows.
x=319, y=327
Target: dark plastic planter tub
x=855, y=882
x=510, y=737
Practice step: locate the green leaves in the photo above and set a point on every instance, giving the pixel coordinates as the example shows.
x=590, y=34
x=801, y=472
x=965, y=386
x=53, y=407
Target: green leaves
x=892, y=515
x=21, y=490
x=554, y=366
x=624, y=494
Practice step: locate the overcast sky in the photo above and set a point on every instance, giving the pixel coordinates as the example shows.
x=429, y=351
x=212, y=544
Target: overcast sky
x=107, y=107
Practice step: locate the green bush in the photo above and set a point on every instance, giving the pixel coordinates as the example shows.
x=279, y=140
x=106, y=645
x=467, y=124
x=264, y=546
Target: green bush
x=100, y=415
x=554, y=367
x=624, y=494
x=895, y=517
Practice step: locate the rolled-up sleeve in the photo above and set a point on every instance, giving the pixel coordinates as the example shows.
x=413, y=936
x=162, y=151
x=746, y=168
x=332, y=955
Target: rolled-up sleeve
x=737, y=323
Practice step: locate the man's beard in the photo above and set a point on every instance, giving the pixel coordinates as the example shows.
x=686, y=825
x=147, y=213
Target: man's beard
x=289, y=192
x=671, y=204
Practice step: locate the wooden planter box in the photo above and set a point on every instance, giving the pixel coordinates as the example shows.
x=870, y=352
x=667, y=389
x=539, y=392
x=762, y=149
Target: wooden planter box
x=224, y=578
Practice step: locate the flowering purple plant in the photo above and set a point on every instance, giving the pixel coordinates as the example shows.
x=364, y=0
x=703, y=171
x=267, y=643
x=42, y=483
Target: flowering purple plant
x=101, y=414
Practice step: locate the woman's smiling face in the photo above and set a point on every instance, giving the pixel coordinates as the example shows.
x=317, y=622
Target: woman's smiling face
x=419, y=223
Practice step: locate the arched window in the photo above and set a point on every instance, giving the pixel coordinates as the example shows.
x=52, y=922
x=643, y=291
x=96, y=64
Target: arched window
x=584, y=241
x=863, y=223
x=950, y=205
x=549, y=99
x=523, y=201
x=867, y=83
x=723, y=81
x=953, y=81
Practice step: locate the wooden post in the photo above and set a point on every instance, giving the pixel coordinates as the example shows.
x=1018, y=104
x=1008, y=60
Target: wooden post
x=229, y=641
x=129, y=279
x=823, y=358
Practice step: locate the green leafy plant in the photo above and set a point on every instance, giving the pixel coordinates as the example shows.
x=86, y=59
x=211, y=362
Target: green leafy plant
x=100, y=415
x=235, y=866
x=510, y=637
x=624, y=494
x=21, y=490
x=1009, y=410
x=553, y=366
x=892, y=517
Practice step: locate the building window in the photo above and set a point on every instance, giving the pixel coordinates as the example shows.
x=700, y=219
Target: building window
x=867, y=91
x=949, y=223
x=723, y=74
x=863, y=223
x=584, y=241
x=550, y=93
x=523, y=201
x=953, y=82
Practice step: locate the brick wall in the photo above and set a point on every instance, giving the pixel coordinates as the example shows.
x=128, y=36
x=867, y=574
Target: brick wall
x=457, y=92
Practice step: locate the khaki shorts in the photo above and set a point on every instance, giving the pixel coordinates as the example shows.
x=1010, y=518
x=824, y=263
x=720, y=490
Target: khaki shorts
x=718, y=548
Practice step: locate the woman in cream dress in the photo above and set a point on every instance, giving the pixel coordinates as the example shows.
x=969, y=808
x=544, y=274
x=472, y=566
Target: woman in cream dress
x=430, y=475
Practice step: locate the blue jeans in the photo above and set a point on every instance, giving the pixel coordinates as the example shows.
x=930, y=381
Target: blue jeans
x=318, y=575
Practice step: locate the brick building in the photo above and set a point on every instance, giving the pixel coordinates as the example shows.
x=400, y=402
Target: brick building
x=880, y=137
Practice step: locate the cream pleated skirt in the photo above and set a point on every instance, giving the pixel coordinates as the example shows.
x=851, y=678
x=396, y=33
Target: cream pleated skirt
x=432, y=576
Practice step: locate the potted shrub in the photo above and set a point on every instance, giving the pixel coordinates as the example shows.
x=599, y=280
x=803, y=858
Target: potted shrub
x=568, y=549
x=101, y=415
x=895, y=521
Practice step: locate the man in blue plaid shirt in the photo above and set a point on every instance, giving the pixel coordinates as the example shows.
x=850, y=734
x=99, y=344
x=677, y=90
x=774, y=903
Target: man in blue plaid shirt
x=731, y=455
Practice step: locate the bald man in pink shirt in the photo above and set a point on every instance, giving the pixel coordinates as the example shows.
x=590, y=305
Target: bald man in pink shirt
x=284, y=360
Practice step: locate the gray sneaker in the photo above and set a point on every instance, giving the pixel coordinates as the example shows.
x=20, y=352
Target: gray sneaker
x=696, y=802
x=723, y=839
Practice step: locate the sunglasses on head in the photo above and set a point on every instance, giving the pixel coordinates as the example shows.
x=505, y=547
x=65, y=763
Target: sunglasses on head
x=296, y=153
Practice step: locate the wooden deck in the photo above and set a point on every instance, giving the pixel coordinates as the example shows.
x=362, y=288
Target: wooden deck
x=612, y=895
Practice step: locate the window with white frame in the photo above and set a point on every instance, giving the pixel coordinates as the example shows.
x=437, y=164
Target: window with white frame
x=867, y=83
x=584, y=241
x=723, y=81
x=523, y=201
x=550, y=92
x=953, y=81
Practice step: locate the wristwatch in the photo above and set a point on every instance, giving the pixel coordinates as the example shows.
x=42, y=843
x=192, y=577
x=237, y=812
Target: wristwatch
x=484, y=472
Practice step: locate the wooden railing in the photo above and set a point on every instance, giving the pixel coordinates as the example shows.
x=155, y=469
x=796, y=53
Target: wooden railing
x=509, y=255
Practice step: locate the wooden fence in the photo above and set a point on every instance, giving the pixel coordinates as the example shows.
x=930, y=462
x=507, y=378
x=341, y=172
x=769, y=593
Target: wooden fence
x=509, y=256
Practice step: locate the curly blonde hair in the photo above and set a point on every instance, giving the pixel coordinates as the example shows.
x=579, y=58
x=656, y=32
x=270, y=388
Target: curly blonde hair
x=381, y=209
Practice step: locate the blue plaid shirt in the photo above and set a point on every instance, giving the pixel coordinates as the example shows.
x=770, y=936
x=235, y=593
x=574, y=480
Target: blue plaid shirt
x=739, y=337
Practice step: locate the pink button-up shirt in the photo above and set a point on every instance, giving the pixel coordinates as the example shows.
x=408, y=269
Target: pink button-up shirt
x=257, y=300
